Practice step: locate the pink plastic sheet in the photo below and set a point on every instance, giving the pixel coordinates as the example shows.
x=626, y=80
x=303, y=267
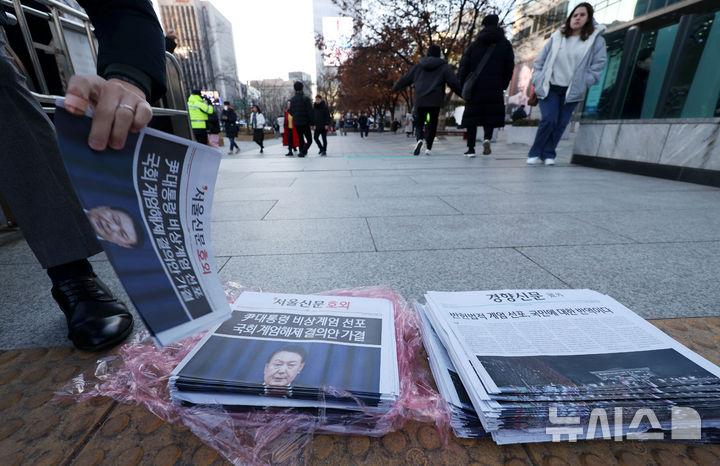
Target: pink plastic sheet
x=138, y=374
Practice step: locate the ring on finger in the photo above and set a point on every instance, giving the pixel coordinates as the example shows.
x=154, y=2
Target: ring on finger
x=129, y=107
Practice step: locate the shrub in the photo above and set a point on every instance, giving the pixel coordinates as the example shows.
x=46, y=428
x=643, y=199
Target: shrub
x=450, y=121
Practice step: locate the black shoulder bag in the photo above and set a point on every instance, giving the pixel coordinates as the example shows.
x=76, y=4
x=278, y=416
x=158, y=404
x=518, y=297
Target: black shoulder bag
x=470, y=81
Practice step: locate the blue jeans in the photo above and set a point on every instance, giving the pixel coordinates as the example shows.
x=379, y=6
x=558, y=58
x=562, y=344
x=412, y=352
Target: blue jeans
x=556, y=115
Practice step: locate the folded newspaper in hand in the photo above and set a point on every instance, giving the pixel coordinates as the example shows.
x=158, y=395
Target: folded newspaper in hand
x=543, y=365
x=292, y=350
x=149, y=205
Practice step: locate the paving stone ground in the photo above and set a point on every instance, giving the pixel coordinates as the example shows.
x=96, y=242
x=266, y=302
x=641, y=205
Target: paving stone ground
x=371, y=214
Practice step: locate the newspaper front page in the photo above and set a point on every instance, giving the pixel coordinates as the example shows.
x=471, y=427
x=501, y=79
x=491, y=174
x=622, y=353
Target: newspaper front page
x=150, y=205
x=304, y=347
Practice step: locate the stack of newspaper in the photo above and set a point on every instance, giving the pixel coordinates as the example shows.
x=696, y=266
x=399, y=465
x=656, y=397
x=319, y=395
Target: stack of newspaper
x=300, y=351
x=549, y=365
x=464, y=422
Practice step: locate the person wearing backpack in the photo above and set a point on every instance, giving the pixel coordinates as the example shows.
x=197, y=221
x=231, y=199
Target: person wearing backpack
x=486, y=69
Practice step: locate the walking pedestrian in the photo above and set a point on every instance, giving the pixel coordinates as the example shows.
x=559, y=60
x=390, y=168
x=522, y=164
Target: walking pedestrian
x=33, y=179
x=229, y=118
x=569, y=63
x=364, y=125
x=322, y=120
x=257, y=123
x=302, y=111
x=213, y=127
x=409, y=130
x=290, y=136
x=198, y=111
x=487, y=68
x=349, y=121
x=430, y=76
x=341, y=127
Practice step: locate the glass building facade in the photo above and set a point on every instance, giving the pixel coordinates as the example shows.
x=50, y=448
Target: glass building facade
x=663, y=61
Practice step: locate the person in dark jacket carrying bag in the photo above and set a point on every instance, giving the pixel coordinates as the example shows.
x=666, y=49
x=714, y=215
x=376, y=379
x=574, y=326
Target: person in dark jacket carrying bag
x=322, y=123
x=302, y=112
x=491, y=60
x=429, y=75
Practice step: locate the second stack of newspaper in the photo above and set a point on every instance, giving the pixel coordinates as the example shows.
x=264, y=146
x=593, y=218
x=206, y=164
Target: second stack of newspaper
x=544, y=365
x=299, y=351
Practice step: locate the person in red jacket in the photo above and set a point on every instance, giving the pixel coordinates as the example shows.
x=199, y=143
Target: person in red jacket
x=290, y=135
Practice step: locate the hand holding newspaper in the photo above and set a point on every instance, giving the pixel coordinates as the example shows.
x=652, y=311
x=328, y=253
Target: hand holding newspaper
x=149, y=205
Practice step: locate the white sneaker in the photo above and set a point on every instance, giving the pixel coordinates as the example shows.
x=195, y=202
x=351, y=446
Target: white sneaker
x=549, y=161
x=418, y=146
x=428, y=152
x=532, y=160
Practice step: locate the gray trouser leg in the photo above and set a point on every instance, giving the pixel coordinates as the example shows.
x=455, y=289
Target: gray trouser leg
x=33, y=179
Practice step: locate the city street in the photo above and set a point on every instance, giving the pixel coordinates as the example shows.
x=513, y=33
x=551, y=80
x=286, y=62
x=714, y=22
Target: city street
x=372, y=214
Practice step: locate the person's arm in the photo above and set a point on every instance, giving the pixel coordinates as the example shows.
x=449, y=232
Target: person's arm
x=310, y=111
x=131, y=71
x=539, y=64
x=452, y=80
x=260, y=120
x=131, y=43
x=464, y=69
x=404, y=81
x=509, y=65
x=597, y=61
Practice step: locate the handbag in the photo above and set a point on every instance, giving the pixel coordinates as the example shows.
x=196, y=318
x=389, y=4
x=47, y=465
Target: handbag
x=533, y=99
x=470, y=81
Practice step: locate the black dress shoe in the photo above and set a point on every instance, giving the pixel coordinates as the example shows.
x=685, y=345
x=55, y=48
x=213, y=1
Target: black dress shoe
x=96, y=319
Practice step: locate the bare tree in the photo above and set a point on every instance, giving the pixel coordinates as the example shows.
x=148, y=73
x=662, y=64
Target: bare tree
x=274, y=94
x=404, y=29
x=328, y=86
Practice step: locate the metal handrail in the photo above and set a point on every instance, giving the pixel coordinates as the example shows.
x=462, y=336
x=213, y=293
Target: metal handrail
x=50, y=99
x=80, y=22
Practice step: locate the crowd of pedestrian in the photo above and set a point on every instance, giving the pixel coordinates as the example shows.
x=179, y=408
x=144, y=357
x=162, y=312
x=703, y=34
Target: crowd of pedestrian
x=567, y=66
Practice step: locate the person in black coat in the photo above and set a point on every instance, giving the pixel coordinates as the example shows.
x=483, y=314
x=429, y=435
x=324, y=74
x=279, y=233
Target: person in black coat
x=364, y=125
x=301, y=109
x=486, y=106
x=322, y=122
x=229, y=118
x=33, y=179
x=429, y=75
